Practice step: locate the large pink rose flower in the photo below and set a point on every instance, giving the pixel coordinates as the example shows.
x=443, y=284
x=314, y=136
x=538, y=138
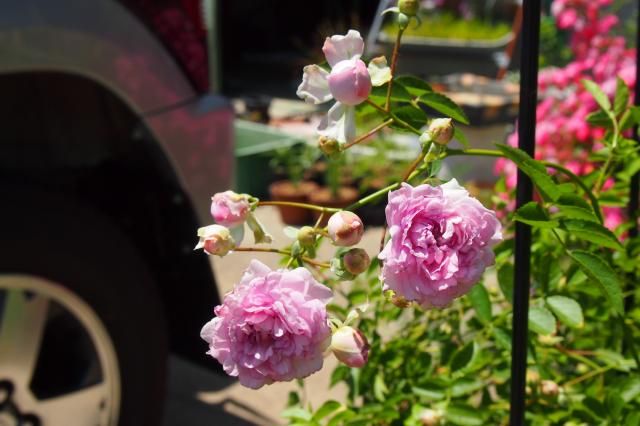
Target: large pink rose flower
x=271, y=327
x=441, y=242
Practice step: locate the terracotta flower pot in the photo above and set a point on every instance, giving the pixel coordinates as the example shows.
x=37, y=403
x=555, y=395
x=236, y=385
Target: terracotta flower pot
x=322, y=197
x=285, y=190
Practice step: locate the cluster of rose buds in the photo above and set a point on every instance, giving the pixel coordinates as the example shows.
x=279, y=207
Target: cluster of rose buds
x=274, y=325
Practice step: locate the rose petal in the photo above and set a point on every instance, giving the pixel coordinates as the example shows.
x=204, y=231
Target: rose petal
x=339, y=48
x=314, y=88
x=339, y=123
x=379, y=71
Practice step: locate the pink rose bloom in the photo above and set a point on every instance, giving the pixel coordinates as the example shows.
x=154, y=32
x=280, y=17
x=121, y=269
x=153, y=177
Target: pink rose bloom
x=271, y=327
x=441, y=242
x=348, y=83
x=229, y=209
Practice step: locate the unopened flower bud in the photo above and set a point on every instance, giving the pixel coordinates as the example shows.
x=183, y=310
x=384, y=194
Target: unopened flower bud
x=440, y=131
x=409, y=7
x=403, y=21
x=397, y=300
x=350, y=82
x=328, y=146
x=356, y=261
x=306, y=236
x=350, y=346
x=229, y=209
x=215, y=239
x=430, y=417
x=549, y=388
x=345, y=228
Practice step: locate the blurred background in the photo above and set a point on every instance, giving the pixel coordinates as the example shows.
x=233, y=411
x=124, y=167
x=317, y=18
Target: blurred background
x=119, y=121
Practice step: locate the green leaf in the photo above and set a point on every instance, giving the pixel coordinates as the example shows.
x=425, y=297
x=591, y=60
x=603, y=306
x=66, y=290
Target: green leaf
x=326, y=409
x=630, y=388
x=503, y=338
x=621, y=99
x=412, y=115
x=592, y=232
x=534, y=169
x=463, y=356
x=602, y=274
x=413, y=85
x=573, y=212
x=398, y=94
x=463, y=415
x=505, y=280
x=481, y=303
x=297, y=413
x=533, y=214
x=573, y=200
x=542, y=321
x=446, y=106
x=567, y=310
x=597, y=93
x=614, y=404
x=460, y=137
x=432, y=392
x=379, y=387
x=465, y=386
x=341, y=418
x=600, y=119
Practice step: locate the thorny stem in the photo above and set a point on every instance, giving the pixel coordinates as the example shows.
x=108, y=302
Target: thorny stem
x=413, y=166
x=368, y=134
x=575, y=179
x=605, y=169
x=394, y=61
x=283, y=252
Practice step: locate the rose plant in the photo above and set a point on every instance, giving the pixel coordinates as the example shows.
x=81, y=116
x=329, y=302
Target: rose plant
x=422, y=335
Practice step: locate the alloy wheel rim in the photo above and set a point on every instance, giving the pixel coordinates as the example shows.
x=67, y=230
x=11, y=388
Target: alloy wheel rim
x=42, y=325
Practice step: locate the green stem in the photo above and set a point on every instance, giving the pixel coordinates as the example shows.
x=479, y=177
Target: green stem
x=299, y=205
x=368, y=134
x=283, y=252
x=573, y=177
x=605, y=169
x=394, y=61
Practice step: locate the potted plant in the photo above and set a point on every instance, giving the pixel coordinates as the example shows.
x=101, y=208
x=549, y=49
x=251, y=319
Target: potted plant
x=292, y=163
x=337, y=192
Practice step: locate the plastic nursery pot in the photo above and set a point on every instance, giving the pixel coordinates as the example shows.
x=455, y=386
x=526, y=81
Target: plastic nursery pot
x=322, y=197
x=285, y=190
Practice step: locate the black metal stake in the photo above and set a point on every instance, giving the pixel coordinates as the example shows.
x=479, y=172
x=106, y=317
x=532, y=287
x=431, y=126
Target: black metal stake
x=524, y=194
x=635, y=180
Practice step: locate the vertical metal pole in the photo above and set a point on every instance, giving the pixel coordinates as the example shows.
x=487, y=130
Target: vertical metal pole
x=524, y=194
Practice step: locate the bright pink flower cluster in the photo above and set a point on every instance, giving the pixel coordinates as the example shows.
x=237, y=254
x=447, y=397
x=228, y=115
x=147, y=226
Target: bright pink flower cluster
x=271, y=327
x=441, y=242
x=562, y=132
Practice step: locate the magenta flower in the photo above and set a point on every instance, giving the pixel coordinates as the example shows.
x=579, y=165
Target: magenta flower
x=349, y=83
x=441, y=242
x=271, y=327
x=229, y=209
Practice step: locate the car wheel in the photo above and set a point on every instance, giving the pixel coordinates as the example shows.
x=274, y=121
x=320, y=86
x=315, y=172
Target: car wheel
x=82, y=333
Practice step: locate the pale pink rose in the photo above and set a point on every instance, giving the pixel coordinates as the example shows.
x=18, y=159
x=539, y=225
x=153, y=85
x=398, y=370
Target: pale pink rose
x=229, y=209
x=215, y=239
x=345, y=228
x=349, y=82
x=350, y=346
x=272, y=327
x=441, y=242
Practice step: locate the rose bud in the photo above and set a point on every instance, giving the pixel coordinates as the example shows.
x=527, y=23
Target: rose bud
x=307, y=236
x=409, y=7
x=328, y=146
x=350, y=82
x=356, y=261
x=345, y=228
x=350, y=346
x=229, y=209
x=215, y=239
x=430, y=417
x=549, y=388
x=440, y=131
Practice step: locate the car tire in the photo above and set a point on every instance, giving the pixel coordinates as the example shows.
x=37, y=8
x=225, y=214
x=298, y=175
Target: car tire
x=58, y=240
